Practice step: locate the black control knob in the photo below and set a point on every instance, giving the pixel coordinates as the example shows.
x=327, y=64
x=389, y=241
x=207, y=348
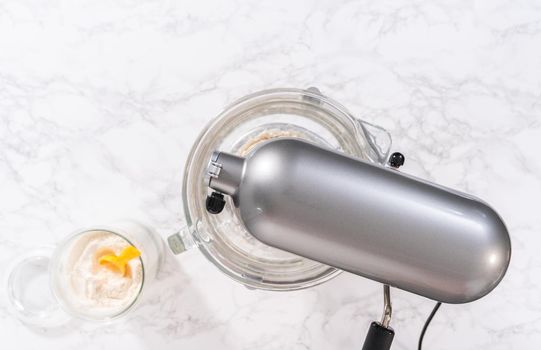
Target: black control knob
x=396, y=160
x=215, y=203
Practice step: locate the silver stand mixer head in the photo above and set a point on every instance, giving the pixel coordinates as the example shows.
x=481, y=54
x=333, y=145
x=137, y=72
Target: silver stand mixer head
x=365, y=219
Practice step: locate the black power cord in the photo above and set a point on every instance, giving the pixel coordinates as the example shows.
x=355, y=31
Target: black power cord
x=428, y=320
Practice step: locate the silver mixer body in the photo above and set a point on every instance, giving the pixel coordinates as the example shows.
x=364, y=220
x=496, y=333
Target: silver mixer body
x=366, y=219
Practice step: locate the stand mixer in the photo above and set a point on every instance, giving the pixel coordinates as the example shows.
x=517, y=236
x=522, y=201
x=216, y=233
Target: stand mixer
x=286, y=189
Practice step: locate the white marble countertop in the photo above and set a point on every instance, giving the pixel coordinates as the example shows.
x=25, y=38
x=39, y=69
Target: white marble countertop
x=100, y=102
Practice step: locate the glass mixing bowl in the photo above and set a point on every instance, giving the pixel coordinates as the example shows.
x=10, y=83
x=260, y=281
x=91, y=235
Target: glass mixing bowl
x=265, y=115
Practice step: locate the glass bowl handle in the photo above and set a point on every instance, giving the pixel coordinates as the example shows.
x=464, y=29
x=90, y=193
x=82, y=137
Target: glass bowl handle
x=379, y=140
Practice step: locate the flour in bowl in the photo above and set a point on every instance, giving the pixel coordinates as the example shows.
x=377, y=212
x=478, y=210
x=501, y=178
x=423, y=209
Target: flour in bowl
x=93, y=286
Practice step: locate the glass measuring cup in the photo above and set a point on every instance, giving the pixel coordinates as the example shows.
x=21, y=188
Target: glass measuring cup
x=39, y=284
